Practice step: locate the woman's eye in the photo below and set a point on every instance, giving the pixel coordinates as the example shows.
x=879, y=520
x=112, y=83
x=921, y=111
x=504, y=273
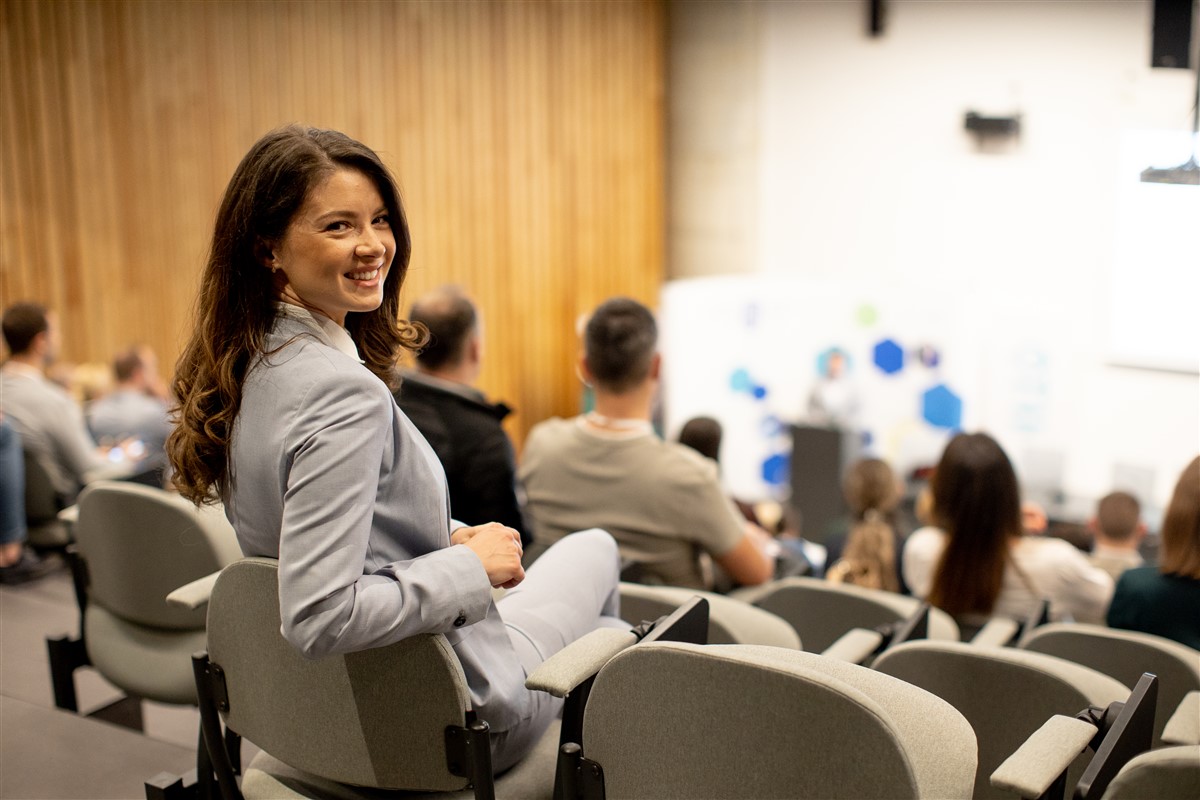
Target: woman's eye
x=338, y=226
x=382, y=219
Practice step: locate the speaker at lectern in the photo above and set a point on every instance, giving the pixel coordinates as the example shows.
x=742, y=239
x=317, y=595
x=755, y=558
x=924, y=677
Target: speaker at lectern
x=820, y=457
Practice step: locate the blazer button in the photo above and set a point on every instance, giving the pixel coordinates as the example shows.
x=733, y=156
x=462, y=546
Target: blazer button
x=460, y=620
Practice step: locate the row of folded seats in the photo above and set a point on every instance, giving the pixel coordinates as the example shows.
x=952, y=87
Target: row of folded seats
x=800, y=688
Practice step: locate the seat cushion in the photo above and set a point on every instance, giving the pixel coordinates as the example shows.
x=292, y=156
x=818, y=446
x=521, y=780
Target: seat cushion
x=1169, y=773
x=147, y=662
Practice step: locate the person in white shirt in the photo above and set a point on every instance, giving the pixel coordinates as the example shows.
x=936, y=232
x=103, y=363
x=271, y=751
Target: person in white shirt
x=978, y=561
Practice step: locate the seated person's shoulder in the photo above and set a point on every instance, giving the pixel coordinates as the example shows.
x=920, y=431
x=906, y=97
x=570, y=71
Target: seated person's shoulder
x=316, y=371
x=925, y=541
x=682, y=464
x=547, y=431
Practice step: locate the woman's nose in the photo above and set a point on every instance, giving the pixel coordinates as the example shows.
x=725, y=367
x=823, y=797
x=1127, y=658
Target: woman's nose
x=369, y=244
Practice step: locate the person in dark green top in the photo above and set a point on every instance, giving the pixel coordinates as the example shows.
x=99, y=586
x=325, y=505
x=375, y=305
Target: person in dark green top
x=1165, y=600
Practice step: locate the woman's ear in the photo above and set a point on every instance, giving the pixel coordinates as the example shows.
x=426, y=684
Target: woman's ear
x=264, y=254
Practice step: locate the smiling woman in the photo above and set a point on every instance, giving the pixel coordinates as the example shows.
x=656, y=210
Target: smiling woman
x=286, y=414
x=336, y=253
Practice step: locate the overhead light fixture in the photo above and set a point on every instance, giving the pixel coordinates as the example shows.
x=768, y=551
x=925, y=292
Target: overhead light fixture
x=1187, y=173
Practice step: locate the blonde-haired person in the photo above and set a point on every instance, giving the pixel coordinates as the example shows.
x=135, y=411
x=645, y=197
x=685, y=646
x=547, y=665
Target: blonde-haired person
x=871, y=555
x=1165, y=600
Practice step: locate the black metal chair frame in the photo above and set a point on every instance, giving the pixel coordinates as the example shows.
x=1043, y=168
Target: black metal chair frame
x=468, y=750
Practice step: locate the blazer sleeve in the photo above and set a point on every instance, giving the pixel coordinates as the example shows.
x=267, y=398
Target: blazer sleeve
x=335, y=448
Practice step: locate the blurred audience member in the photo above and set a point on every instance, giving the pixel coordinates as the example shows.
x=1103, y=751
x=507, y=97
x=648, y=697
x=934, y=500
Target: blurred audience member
x=978, y=562
x=50, y=423
x=1117, y=533
x=458, y=421
x=661, y=501
x=18, y=563
x=871, y=553
x=135, y=410
x=1165, y=600
x=704, y=435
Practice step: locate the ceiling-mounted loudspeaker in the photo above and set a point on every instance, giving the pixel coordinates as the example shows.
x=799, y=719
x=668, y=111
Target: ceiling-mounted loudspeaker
x=992, y=126
x=1172, y=39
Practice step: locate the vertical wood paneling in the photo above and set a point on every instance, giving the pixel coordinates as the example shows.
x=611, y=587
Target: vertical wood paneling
x=526, y=137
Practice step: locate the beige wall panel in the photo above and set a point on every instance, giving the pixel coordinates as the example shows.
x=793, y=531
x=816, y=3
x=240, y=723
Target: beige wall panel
x=527, y=138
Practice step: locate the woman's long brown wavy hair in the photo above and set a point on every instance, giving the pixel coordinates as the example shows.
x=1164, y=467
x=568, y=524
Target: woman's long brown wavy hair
x=977, y=502
x=236, y=306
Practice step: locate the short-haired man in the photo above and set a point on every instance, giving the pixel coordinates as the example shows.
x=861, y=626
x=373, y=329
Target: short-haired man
x=48, y=420
x=661, y=501
x=1118, y=531
x=135, y=409
x=456, y=419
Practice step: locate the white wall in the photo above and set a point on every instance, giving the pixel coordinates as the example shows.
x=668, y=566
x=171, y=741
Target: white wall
x=864, y=174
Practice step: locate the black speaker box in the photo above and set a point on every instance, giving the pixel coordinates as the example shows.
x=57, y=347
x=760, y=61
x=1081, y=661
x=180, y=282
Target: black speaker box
x=1171, y=45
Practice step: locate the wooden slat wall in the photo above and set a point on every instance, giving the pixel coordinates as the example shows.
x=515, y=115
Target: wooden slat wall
x=527, y=137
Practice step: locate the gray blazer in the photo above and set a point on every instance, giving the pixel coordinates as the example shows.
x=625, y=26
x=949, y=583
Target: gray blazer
x=330, y=477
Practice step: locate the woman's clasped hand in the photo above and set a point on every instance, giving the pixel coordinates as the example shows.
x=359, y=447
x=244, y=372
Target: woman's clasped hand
x=498, y=547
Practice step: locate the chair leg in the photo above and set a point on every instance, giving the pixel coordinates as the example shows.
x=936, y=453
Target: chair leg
x=165, y=786
x=215, y=776
x=233, y=746
x=66, y=656
x=206, y=783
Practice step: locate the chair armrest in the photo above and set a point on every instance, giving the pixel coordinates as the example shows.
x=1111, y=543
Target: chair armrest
x=1184, y=725
x=195, y=594
x=578, y=661
x=1044, y=756
x=855, y=645
x=996, y=632
x=69, y=515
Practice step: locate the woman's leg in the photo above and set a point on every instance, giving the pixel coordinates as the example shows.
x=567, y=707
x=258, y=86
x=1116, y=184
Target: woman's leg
x=570, y=591
x=565, y=595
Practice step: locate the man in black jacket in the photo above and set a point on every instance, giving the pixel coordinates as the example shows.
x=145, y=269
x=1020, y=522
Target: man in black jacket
x=460, y=424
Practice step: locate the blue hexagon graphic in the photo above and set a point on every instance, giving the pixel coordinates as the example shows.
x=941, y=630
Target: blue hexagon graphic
x=775, y=469
x=942, y=408
x=772, y=426
x=889, y=356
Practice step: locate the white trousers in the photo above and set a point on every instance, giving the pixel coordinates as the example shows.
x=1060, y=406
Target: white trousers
x=570, y=591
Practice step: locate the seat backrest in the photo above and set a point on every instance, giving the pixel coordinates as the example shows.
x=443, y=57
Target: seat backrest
x=821, y=611
x=142, y=543
x=681, y=720
x=730, y=621
x=1006, y=694
x=372, y=718
x=1169, y=773
x=42, y=500
x=1124, y=655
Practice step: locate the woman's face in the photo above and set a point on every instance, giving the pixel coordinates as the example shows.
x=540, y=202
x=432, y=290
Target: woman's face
x=336, y=253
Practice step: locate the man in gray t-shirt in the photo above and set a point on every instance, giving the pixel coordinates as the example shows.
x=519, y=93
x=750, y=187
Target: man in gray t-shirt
x=661, y=501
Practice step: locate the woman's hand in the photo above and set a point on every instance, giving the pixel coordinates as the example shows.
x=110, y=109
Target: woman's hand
x=499, y=548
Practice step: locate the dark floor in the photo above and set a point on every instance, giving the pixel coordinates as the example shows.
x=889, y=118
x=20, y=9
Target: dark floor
x=46, y=752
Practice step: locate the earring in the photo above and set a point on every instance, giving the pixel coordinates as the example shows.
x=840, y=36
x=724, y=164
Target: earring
x=274, y=270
